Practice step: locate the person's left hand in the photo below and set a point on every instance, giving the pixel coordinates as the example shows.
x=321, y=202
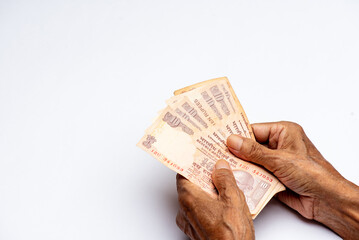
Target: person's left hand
x=202, y=217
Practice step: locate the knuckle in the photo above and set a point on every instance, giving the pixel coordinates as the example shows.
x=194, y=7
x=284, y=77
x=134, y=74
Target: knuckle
x=298, y=127
x=178, y=185
x=282, y=163
x=225, y=184
x=179, y=182
x=231, y=197
x=223, y=178
x=183, y=185
x=179, y=221
x=294, y=126
x=256, y=152
x=186, y=201
x=184, y=225
x=222, y=174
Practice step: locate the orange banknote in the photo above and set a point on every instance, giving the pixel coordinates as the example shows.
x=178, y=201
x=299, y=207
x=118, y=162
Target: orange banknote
x=189, y=136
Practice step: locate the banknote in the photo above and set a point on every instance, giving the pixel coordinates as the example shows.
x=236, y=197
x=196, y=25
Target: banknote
x=229, y=93
x=214, y=100
x=196, y=157
x=189, y=136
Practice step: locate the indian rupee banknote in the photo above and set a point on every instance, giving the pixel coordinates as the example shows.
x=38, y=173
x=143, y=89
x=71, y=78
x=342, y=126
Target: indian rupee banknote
x=189, y=136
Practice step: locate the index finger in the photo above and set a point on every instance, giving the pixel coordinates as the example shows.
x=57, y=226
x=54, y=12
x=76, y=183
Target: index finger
x=183, y=184
x=189, y=193
x=264, y=131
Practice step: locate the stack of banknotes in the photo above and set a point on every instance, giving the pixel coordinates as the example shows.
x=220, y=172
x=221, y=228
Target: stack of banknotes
x=190, y=134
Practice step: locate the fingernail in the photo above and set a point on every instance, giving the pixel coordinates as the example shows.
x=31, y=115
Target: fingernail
x=234, y=141
x=222, y=164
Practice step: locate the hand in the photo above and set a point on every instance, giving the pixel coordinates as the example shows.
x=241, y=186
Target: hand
x=202, y=217
x=315, y=189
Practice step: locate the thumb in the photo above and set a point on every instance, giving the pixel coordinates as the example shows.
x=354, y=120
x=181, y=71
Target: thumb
x=224, y=181
x=250, y=150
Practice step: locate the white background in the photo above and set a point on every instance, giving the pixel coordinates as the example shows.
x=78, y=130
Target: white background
x=81, y=80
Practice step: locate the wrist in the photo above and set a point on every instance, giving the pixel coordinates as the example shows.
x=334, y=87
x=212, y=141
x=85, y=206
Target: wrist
x=337, y=208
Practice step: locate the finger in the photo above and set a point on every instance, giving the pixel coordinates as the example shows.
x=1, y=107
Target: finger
x=180, y=180
x=183, y=184
x=262, y=131
x=185, y=196
x=270, y=134
x=185, y=226
x=180, y=221
x=224, y=181
x=250, y=150
x=296, y=202
x=189, y=194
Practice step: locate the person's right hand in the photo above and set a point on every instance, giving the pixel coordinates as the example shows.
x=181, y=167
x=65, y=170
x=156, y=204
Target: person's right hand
x=314, y=188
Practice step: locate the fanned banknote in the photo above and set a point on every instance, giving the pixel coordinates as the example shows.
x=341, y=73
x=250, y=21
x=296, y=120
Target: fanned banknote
x=190, y=134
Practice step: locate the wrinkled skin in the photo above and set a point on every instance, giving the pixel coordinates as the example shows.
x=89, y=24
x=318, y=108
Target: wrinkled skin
x=293, y=159
x=314, y=188
x=202, y=217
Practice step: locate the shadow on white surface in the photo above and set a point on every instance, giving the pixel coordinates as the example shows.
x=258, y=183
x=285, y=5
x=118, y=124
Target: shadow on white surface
x=282, y=221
